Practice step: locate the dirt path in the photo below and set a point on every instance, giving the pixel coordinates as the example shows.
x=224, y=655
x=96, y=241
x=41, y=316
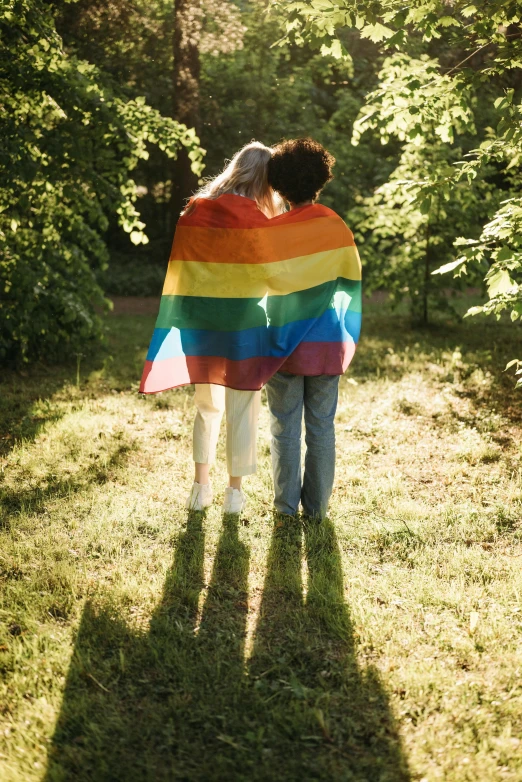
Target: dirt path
x=135, y=305
x=149, y=305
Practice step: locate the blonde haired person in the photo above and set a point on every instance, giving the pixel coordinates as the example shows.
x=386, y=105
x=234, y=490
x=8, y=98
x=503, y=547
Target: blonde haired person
x=246, y=176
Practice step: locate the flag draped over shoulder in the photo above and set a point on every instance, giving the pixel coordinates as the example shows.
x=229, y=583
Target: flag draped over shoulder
x=245, y=296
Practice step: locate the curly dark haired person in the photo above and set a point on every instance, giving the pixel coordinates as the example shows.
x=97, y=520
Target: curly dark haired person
x=298, y=170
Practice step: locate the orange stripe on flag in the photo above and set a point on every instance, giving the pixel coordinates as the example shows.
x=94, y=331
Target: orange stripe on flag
x=259, y=245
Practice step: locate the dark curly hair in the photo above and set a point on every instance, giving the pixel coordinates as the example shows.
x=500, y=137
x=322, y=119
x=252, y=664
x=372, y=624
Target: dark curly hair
x=299, y=169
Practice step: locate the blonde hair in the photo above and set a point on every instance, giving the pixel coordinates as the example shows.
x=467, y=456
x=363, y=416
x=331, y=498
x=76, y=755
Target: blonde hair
x=246, y=175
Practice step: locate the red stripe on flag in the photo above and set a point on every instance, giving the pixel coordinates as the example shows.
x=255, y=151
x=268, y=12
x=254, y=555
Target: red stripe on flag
x=320, y=358
x=310, y=358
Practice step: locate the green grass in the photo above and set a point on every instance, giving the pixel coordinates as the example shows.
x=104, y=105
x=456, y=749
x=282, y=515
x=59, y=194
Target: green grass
x=139, y=643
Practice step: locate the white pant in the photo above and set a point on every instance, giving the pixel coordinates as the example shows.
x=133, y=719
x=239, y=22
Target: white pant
x=242, y=414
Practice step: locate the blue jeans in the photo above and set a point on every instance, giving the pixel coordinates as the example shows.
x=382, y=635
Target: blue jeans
x=288, y=395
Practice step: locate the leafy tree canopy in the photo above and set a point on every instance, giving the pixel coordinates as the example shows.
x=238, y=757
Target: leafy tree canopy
x=450, y=71
x=70, y=143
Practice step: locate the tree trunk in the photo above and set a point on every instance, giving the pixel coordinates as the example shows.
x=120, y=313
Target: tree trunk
x=188, y=17
x=427, y=277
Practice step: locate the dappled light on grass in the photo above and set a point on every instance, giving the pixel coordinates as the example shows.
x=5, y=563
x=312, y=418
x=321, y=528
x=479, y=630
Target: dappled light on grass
x=137, y=641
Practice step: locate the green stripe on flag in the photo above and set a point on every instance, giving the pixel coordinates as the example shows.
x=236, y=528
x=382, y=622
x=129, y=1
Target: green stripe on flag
x=201, y=312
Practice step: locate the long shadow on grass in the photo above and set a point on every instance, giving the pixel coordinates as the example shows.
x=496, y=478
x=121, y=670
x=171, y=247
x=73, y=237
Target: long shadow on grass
x=26, y=397
x=323, y=717
x=19, y=420
x=14, y=500
x=175, y=704
x=127, y=692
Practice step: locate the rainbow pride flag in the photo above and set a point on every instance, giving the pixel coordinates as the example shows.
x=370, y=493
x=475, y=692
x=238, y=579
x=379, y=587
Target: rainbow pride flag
x=245, y=296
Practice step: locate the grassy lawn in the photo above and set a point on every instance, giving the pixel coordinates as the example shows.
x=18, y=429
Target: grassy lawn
x=139, y=643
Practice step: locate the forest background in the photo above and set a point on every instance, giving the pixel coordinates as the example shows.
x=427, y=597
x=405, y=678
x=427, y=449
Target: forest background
x=112, y=111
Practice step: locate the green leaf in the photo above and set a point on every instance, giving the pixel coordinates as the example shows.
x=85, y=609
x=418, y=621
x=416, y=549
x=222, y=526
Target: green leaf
x=376, y=32
x=425, y=206
x=499, y=282
x=334, y=50
x=474, y=311
x=504, y=254
x=397, y=39
x=138, y=237
x=448, y=21
x=448, y=267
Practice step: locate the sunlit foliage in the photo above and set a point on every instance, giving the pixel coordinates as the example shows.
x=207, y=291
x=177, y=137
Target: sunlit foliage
x=70, y=143
x=476, y=57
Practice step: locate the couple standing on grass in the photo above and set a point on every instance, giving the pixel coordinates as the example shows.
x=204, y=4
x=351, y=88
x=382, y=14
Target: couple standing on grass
x=263, y=288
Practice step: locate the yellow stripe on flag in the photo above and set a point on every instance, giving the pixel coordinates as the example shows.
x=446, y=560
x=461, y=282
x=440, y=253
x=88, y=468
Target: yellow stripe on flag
x=237, y=281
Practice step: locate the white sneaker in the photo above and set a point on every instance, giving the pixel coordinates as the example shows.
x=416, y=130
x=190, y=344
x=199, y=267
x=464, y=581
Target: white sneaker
x=234, y=501
x=200, y=496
